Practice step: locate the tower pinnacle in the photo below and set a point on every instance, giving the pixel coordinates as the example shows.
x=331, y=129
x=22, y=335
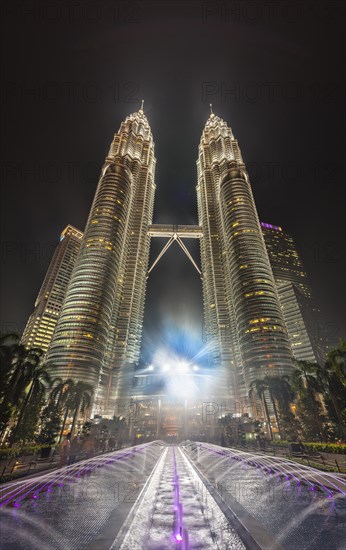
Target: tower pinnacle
x=142, y=105
x=211, y=109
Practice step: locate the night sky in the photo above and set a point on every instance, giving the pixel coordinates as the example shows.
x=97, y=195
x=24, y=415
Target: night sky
x=74, y=71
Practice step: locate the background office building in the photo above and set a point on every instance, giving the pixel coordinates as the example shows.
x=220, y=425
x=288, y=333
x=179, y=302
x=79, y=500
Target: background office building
x=42, y=322
x=302, y=316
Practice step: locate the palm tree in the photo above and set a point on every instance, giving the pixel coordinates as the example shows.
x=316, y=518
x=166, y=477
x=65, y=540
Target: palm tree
x=71, y=396
x=8, y=342
x=282, y=394
x=55, y=388
x=337, y=361
x=23, y=362
x=257, y=389
x=305, y=377
x=271, y=384
x=64, y=391
x=60, y=391
x=39, y=381
x=80, y=401
x=51, y=414
x=329, y=376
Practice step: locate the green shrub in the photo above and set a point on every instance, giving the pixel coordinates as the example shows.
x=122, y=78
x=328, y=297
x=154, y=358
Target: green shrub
x=335, y=448
x=13, y=452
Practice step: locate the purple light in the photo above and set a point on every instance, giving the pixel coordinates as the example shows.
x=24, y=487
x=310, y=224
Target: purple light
x=269, y=226
x=178, y=537
x=16, y=504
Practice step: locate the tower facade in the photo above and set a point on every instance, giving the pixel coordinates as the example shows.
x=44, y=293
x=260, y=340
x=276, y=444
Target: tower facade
x=42, y=322
x=243, y=316
x=100, y=324
x=302, y=316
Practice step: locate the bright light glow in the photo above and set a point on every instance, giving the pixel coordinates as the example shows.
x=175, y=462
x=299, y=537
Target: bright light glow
x=150, y=367
x=180, y=359
x=182, y=366
x=179, y=537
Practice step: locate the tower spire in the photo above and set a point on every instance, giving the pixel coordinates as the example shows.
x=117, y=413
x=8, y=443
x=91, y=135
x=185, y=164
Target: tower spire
x=142, y=105
x=211, y=109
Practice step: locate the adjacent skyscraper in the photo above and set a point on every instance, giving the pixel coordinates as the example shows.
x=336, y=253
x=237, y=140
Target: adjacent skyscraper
x=42, y=322
x=100, y=325
x=243, y=315
x=302, y=316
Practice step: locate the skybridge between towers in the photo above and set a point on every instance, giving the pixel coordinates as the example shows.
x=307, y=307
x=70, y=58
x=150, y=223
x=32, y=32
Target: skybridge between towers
x=182, y=231
x=175, y=233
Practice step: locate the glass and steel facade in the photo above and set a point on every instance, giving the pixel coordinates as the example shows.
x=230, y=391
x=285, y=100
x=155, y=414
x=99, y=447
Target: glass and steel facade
x=302, y=316
x=42, y=322
x=243, y=316
x=100, y=325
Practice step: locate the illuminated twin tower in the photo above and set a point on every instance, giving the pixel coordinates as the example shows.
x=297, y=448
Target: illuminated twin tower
x=98, y=333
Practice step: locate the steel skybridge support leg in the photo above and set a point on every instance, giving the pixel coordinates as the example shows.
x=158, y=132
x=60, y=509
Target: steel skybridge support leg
x=165, y=248
x=183, y=247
